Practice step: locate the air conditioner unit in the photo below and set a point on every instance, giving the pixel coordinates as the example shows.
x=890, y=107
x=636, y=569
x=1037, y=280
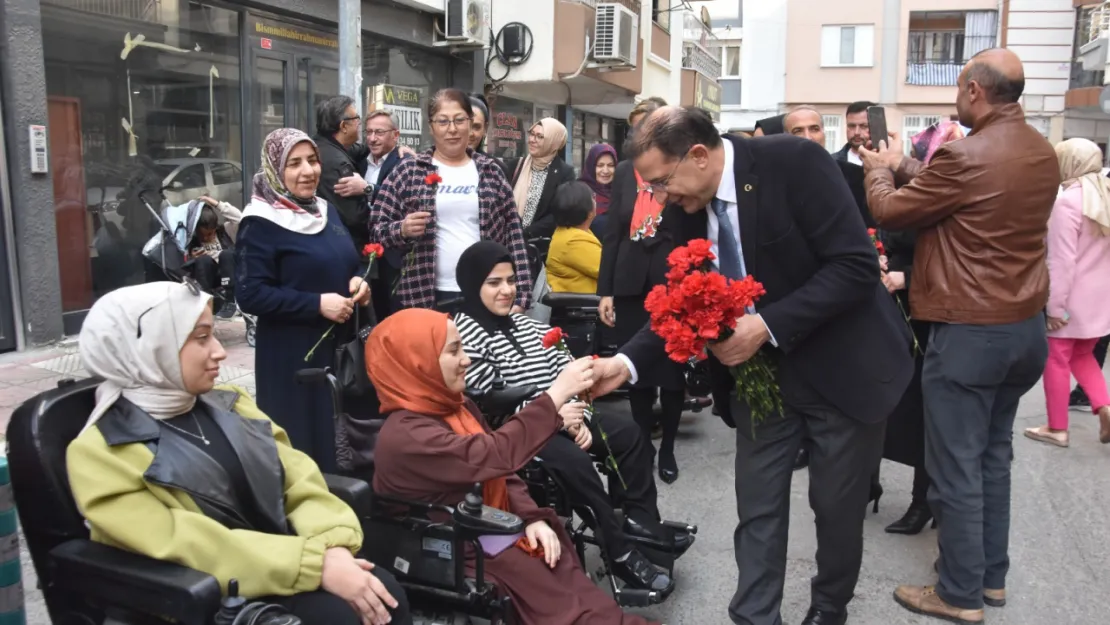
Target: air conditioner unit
x=616, y=36
x=466, y=24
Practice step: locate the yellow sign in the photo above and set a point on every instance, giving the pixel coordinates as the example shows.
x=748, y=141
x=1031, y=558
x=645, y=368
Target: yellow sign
x=707, y=95
x=294, y=34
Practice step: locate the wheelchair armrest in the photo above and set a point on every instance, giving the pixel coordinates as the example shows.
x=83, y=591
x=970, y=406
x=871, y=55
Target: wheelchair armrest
x=487, y=521
x=571, y=300
x=127, y=580
x=355, y=493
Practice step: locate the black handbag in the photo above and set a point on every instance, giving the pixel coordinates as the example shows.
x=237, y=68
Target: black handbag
x=350, y=361
x=355, y=437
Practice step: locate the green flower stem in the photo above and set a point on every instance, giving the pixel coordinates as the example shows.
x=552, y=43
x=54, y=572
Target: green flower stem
x=756, y=385
x=916, y=345
x=369, y=265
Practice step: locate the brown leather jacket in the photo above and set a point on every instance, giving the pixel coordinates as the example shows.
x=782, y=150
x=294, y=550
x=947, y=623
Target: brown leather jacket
x=981, y=209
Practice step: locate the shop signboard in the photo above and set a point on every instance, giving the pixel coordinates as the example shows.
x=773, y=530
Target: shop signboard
x=707, y=95
x=510, y=121
x=404, y=103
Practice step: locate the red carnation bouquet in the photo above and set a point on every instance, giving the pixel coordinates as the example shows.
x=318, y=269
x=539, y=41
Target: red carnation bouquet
x=555, y=337
x=874, y=234
x=699, y=306
x=370, y=251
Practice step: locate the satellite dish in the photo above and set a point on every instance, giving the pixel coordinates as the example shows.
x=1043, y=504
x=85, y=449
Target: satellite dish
x=705, y=15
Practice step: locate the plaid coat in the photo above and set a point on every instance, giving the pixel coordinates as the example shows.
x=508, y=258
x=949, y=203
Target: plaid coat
x=406, y=192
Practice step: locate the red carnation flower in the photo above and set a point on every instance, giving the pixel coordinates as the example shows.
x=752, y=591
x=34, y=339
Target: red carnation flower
x=553, y=337
x=374, y=250
x=433, y=179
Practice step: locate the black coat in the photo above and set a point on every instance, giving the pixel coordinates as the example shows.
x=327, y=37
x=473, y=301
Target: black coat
x=338, y=162
x=558, y=172
x=838, y=331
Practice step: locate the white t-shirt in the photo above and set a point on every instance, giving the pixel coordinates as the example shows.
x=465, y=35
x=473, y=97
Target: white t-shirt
x=456, y=220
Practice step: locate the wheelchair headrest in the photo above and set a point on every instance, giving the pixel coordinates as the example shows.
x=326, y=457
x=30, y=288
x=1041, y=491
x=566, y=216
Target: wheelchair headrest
x=571, y=300
x=39, y=432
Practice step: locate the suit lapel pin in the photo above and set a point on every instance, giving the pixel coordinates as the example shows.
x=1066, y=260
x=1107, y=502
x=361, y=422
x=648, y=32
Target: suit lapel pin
x=747, y=188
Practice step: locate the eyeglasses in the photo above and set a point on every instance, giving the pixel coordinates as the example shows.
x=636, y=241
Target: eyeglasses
x=538, y=136
x=351, y=119
x=660, y=186
x=459, y=122
x=379, y=132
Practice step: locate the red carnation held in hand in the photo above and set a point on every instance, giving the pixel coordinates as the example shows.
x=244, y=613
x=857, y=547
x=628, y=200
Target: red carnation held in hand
x=553, y=337
x=373, y=250
x=433, y=179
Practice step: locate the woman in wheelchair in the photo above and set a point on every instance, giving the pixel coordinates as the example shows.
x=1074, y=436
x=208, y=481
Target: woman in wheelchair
x=510, y=347
x=435, y=445
x=175, y=469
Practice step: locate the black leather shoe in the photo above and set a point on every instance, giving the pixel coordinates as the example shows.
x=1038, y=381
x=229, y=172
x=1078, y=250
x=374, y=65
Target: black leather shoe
x=802, y=461
x=916, y=518
x=638, y=573
x=664, y=537
x=825, y=617
x=1078, y=399
x=668, y=467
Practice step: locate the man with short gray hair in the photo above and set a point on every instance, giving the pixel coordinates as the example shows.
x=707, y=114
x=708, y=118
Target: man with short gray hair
x=341, y=165
x=381, y=137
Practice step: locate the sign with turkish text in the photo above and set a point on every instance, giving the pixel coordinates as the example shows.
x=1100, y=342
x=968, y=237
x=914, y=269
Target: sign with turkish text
x=707, y=95
x=404, y=103
x=510, y=120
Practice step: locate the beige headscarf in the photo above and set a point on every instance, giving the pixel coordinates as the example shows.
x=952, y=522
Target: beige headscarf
x=554, y=139
x=132, y=338
x=1081, y=161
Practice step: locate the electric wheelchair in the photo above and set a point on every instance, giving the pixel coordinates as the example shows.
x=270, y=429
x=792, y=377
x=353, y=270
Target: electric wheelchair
x=87, y=583
x=500, y=403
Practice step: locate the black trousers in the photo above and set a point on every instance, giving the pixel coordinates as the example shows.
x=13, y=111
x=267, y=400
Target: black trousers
x=323, y=608
x=212, y=275
x=574, y=469
x=843, y=455
x=974, y=378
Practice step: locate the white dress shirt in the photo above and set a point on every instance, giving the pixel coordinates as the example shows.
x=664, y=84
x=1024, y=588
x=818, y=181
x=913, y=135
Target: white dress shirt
x=726, y=192
x=373, y=170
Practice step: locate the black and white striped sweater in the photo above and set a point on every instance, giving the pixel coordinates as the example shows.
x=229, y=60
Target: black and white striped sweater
x=494, y=356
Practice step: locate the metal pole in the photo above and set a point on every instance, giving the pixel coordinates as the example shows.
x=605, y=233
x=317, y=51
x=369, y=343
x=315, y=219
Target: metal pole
x=350, y=51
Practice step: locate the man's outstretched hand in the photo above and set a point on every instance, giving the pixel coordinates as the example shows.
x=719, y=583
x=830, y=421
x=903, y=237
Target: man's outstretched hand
x=609, y=375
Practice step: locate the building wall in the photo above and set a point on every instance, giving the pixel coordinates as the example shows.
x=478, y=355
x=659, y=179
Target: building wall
x=1041, y=33
x=536, y=14
x=763, y=62
x=659, y=58
x=806, y=80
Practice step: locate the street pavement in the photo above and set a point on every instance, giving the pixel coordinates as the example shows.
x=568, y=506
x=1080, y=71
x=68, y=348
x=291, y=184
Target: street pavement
x=1060, y=544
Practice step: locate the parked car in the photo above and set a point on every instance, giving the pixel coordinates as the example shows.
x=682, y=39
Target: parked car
x=185, y=179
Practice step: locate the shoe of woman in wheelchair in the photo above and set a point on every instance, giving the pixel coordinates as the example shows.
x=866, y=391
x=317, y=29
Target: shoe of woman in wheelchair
x=435, y=445
x=510, y=347
x=171, y=467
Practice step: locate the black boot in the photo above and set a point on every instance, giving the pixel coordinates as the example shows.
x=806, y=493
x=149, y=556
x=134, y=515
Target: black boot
x=802, y=460
x=1078, y=399
x=636, y=571
x=916, y=518
x=876, y=492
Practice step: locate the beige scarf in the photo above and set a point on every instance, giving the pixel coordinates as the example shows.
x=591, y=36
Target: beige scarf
x=132, y=337
x=1081, y=161
x=554, y=139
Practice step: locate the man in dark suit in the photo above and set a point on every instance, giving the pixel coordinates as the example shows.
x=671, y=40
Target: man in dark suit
x=778, y=207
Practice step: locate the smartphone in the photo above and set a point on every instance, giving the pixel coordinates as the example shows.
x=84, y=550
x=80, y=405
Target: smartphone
x=876, y=123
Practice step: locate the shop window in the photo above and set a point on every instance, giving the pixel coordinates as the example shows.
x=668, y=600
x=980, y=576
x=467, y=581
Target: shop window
x=401, y=78
x=137, y=92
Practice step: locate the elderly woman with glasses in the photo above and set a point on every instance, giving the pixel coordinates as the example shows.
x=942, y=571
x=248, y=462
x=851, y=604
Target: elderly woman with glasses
x=443, y=201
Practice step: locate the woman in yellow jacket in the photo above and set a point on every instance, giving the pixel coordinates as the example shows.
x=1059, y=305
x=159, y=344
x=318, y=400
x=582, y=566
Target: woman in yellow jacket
x=574, y=257
x=172, y=468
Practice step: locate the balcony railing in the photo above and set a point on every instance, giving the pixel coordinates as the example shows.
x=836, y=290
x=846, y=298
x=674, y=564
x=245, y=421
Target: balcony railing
x=696, y=58
x=1087, y=28
x=143, y=10
x=933, y=74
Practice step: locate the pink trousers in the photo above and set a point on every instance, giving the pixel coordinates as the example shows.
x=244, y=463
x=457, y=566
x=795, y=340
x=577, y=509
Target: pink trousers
x=1068, y=357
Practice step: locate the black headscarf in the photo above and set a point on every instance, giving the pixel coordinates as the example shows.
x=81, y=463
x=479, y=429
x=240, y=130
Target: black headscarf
x=772, y=125
x=475, y=265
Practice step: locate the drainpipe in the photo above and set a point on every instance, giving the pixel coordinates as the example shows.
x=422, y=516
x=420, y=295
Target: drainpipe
x=891, y=55
x=350, y=51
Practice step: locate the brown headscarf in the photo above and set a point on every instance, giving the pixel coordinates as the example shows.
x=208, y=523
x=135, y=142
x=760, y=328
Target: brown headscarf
x=402, y=359
x=554, y=139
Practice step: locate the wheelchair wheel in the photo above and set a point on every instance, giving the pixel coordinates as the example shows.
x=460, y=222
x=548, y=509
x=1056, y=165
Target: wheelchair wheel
x=250, y=334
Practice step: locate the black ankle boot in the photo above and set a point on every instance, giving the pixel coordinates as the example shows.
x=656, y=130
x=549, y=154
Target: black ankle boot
x=876, y=494
x=916, y=518
x=668, y=466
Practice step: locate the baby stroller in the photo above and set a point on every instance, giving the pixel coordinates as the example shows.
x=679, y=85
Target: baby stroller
x=168, y=249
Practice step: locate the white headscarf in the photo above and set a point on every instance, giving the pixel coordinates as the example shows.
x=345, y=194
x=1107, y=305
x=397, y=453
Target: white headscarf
x=1081, y=161
x=132, y=338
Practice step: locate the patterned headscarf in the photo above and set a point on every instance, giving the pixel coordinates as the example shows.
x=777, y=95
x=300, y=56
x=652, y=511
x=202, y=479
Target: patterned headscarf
x=272, y=200
x=589, y=175
x=269, y=182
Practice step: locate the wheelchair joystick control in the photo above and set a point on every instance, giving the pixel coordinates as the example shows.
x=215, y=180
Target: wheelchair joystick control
x=472, y=504
x=231, y=605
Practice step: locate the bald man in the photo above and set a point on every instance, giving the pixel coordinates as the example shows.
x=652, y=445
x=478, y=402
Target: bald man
x=981, y=210
x=805, y=122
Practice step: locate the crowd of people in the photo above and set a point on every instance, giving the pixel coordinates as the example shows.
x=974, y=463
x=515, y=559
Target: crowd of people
x=996, y=252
